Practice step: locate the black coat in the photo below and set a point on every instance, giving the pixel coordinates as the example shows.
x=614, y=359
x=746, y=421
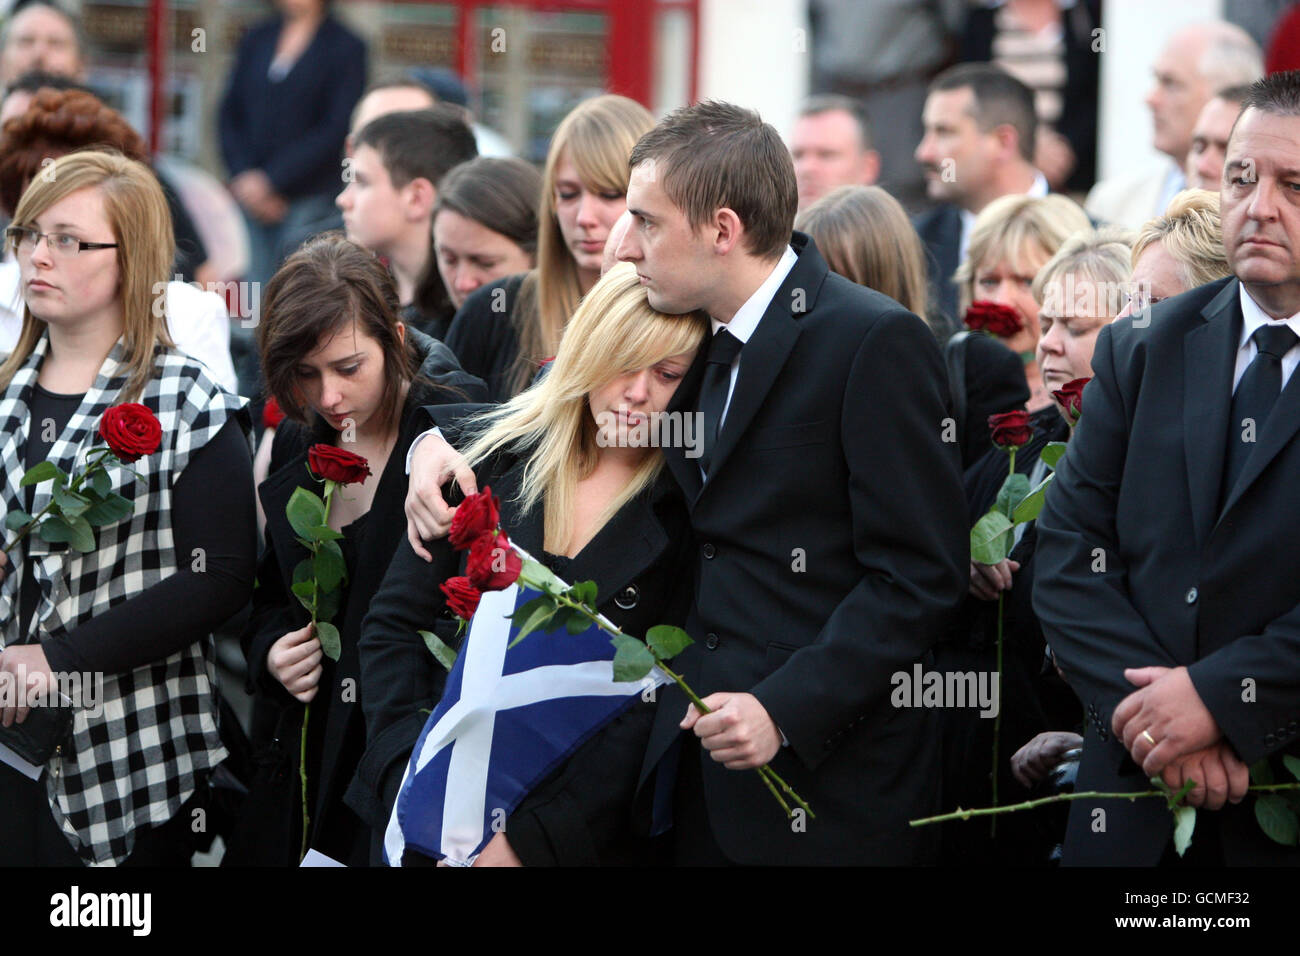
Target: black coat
x=293, y=130
x=582, y=813
x=336, y=714
x=484, y=335
x=1187, y=581
x=833, y=546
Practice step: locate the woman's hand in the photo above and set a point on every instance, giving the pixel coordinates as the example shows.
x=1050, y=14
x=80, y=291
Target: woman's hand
x=987, y=581
x=24, y=677
x=428, y=515
x=1035, y=760
x=295, y=661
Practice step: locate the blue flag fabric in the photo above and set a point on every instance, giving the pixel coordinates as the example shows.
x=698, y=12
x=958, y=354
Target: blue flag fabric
x=507, y=718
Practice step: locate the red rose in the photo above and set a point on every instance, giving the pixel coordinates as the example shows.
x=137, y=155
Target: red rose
x=1070, y=397
x=272, y=413
x=131, y=430
x=476, y=514
x=1010, y=429
x=1001, y=320
x=462, y=597
x=493, y=564
x=335, y=464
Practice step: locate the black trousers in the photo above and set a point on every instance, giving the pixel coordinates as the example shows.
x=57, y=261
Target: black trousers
x=30, y=837
x=693, y=840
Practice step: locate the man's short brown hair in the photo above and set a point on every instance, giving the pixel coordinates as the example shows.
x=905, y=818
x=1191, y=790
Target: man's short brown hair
x=715, y=155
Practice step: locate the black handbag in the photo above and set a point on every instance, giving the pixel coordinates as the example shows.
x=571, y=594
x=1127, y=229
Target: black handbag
x=44, y=731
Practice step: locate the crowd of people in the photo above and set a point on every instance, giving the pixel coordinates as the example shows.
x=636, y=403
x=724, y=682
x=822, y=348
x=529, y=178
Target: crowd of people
x=464, y=321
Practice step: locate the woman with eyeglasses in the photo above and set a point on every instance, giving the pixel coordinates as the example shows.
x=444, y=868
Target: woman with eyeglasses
x=1178, y=251
x=138, y=609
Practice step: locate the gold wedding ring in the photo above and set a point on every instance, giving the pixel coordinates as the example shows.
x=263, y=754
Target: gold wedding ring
x=1151, y=740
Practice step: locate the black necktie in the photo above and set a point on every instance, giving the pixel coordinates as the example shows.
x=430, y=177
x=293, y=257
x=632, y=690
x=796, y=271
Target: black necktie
x=713, y=391
x=1255, y=396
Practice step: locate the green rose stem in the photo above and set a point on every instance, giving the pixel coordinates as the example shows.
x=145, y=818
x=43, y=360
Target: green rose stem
x=960, y=814
x=77, y=482
x=306, y=710
x=997, y=719
x=769, y=776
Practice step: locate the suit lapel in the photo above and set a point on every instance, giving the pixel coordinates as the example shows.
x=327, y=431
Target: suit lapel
x=1209, y=353
x=1278, y=430
x=765, y=354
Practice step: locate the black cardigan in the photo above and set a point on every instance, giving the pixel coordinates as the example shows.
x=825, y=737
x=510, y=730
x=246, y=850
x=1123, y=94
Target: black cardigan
x=582, y=813
x=276, y=611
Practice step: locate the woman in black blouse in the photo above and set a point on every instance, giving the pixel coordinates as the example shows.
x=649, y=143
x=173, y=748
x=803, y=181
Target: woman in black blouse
x=591, y=504
x=346, y=372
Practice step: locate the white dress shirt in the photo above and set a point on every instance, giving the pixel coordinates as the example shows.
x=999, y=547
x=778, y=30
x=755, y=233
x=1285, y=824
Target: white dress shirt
x=1252, y=318
x=747, y=317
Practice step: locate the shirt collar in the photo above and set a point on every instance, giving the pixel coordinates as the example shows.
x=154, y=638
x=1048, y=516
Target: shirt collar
x=1253, y=317
x=746, y=319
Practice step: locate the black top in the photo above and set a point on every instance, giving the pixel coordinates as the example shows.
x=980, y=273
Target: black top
x=189, y=604
x=484, y=337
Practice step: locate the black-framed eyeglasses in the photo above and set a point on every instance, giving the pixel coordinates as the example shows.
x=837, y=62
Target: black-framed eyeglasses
x=24, y=239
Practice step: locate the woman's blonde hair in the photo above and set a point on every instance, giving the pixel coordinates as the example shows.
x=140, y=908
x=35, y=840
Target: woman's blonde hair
x=1190, y=231
x=1098, y=259
x=1010, y=228
x=142, y=228
x=864, y=234
x=597, y=137
x=614, y=331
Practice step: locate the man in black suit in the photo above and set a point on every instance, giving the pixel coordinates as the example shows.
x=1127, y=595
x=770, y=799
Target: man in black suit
x=831, y=527
x=978, y=145
x=827, y=507
x=1167, y=548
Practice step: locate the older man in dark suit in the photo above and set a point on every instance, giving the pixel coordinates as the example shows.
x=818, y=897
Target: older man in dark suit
x=1168, y=545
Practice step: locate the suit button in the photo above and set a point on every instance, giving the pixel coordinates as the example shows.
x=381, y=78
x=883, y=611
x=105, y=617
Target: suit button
x=708, y=550
x=627, y=598
x=1270, y=739
x=1191, y=595
x=711, y=642
x=1291, y=726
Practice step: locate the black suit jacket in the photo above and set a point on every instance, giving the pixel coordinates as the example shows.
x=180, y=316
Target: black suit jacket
x=833, y=542
x=1186, y=581
x=940, y=231
x=582, y=813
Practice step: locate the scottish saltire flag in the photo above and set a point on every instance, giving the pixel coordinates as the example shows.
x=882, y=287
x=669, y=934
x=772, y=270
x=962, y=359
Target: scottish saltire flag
x=508, y=717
